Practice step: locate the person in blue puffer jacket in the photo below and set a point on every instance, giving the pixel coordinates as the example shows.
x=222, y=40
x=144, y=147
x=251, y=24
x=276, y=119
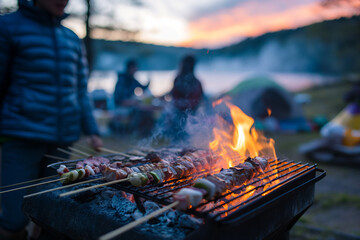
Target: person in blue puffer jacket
x=44, y=100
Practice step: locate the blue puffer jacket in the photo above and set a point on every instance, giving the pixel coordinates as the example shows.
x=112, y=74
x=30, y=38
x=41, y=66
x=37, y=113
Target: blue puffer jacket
x=47, y=98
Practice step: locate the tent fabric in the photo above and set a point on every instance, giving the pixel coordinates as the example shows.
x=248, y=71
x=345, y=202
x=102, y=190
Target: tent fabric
x=256, y=95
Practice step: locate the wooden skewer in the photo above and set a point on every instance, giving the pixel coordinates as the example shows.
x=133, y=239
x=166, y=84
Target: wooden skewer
x=86, y=148
x=56, y=157
x=70, y=153
x=29, y=186
x=59, y=163
x=137, y=152
x=80, y=152
x=34, y=180
x=63, y=187
x=91, y=187
x=111, y=151
x=139, y=221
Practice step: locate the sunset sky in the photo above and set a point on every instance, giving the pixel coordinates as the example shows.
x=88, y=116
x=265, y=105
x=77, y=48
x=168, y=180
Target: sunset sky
x=253, y=18
x=204, y=23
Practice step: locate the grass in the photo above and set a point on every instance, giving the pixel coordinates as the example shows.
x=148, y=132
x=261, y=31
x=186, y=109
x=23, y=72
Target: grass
x=326, y=101
x=330, y=200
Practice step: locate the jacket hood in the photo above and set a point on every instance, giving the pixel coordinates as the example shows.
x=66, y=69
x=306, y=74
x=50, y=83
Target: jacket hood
x=28, y=8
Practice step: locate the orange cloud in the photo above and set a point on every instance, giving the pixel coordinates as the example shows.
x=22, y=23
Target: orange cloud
x=245, y=21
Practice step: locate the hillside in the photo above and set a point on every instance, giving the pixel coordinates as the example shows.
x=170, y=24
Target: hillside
x=110, y=55
x=326, y=47
x=330, y=47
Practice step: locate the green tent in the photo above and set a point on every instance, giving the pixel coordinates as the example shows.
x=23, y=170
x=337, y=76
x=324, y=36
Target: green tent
x=257, y=94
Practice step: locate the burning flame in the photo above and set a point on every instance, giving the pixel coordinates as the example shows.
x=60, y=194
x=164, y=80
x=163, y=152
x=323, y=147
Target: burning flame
x=235, y=139
x=269, y=111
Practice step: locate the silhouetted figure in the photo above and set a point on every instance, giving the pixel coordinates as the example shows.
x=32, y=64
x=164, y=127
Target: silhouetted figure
x=127, y=95
x=187, y=95
x=44, y=102
x=187, y=92
x=127, y=86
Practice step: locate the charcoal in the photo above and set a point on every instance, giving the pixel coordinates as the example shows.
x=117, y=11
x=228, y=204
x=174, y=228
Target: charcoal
x=137, y=214
x=151, y=207
x=187, y=221
x=107, y=194
x=172, y=216
x=124, y=207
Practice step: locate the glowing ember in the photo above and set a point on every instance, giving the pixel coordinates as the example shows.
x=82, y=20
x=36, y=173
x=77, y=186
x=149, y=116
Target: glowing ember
x=235, y=141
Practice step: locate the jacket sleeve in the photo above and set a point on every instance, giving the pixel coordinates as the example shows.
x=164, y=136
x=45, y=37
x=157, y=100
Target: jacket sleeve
x=5, y=47
x=88, y=122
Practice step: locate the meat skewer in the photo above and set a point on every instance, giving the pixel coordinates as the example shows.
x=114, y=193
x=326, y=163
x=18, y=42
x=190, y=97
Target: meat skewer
x=158, y=172
x=85, y=168
x=155, y=173
x=66, y=176
x=88, y=167
x=217, y=184
x=91, y=165
x=151, y=173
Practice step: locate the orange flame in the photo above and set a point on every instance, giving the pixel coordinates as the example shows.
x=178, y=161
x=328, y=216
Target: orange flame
x=269, y=112
x=236, y=141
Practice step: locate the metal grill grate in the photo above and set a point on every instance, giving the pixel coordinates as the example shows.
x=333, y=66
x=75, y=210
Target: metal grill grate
x=281, y=172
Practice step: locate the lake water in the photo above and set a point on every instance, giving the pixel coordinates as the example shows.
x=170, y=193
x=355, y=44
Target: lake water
x=214, y=82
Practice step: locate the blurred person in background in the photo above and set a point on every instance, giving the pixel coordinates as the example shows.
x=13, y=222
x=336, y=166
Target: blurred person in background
x=44, y=102
x=127, y=86
x=129, y=96
x=187, y=95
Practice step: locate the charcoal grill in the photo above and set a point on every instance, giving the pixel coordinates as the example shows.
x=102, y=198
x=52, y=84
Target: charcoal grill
x=278, y=200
